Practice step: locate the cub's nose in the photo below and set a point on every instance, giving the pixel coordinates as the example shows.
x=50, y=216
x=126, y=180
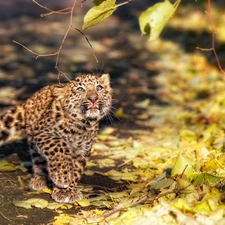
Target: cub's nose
x=93, y=98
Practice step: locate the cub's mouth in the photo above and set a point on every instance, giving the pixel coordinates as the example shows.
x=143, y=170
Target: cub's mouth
x=92, y=111
x=90, y=107
x=93, y=107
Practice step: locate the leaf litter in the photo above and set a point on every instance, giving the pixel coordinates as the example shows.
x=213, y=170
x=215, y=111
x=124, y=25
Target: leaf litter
x=173, y=174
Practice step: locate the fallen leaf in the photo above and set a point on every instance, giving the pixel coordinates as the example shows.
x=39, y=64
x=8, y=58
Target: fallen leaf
x=183, y=165
x=6, y=166
x=32, y=202
x=83, y=202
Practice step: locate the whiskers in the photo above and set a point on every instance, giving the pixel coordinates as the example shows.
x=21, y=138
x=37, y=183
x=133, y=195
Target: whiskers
x=112, y=115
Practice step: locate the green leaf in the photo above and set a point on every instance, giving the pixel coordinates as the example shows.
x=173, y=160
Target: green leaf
x=206, y=178
x=164, y=183
x=102, y=10
x=183, y=165
x=160, y=182
x=211, y=179
x=155, y=17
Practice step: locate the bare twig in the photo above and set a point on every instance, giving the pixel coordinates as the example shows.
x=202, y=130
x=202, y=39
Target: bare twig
x=213, y=31
x=68, y=10
x=57, y=53
x=35, y=53
x=60, y=11
x=142, y=200
x=5, y=217
x=93, y=51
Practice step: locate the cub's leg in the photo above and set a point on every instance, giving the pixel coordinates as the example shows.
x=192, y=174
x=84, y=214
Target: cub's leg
x=63, y=169
x=39, y=166
x=70, y=194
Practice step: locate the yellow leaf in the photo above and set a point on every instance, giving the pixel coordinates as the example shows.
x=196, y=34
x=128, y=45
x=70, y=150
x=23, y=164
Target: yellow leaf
x=101, y=146
x=6, y=166
x=143, y=104
x=155, y=17
x=54, y=205
x=188, y=135
x=139, y=162
x=116, y=175
x=210, y=166
x=32, y=202
x=22, y=168
x=102, y=10
x=183, y=165
x=185, y=186
x=48, y=191
x=83, y=202
x=89, y=172
x=62, y=219
x=117, y=195
x=108, y=130
x=119, y=112
x=106, y=162
x=181, y=204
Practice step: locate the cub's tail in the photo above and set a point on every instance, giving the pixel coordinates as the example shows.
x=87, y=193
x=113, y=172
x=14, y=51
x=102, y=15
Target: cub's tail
x=11, y=122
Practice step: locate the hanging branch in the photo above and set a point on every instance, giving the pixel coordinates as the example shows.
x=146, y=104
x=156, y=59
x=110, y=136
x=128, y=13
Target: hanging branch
x=57, y=53
x=213, y=31
x=67, y=10
x=89, y=43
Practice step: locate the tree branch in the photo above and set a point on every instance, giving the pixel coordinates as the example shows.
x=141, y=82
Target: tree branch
x=213, y=49
x=67, y=10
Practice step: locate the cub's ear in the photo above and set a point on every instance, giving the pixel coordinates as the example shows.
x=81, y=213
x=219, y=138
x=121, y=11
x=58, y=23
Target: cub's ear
x=105, y=78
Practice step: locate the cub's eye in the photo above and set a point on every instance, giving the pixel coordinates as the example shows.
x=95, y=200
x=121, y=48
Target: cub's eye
x=81, y=89
x=99, y=87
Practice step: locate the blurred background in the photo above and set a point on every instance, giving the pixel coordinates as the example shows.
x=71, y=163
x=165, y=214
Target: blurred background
x=119, y=46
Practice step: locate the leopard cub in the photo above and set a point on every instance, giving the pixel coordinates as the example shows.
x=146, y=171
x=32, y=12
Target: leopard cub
x=61, y=123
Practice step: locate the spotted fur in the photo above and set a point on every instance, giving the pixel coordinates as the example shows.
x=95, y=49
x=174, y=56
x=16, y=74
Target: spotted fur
x=61, y=122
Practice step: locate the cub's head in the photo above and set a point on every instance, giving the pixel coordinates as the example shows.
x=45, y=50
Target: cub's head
x=90, y=97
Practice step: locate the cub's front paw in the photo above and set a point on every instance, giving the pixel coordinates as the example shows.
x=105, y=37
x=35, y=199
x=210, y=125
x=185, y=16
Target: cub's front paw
x=38, y=183
x=59, y=179
x=66, y=195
